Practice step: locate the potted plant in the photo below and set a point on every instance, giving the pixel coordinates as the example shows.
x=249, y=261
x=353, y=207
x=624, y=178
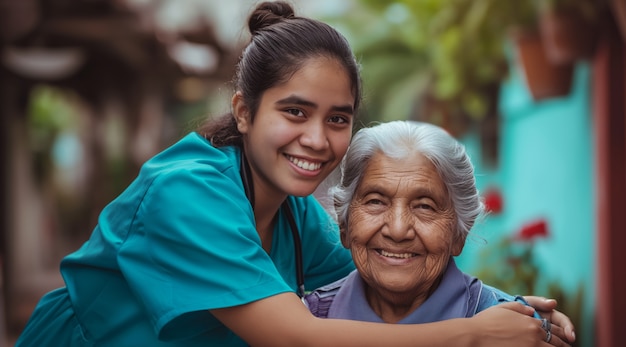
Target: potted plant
x=544, y=78
x=469, y=40
x=569, y=29
x=618, y=8
x=461, y=49
x=449, y=58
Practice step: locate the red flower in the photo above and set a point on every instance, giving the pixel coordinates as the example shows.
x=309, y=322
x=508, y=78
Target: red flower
x=493, y=201
x=533, y=230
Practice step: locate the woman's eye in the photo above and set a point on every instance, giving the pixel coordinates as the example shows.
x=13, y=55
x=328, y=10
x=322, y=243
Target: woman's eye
x=295, y=112
x=373, y=202
x=424, y=207
x=339, y=119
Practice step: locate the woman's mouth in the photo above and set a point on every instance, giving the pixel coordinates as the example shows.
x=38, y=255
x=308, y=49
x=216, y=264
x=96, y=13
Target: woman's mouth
x=396, y=255
x=304, y=164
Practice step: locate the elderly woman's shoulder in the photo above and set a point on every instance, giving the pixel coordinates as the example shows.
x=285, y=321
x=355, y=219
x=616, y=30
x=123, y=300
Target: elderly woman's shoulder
x=491, y=296
x=320, y=300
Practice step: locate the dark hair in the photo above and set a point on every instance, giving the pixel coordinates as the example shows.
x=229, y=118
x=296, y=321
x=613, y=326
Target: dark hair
x=281, y=44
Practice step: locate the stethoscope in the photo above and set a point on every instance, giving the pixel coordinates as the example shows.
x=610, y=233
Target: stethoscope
x=249, y=189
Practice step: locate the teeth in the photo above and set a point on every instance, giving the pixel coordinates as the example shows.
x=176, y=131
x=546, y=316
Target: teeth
x=396, y=255
x=303, y=164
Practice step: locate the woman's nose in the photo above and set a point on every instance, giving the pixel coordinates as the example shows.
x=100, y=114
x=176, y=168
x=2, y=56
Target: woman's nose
x=399, y=224
x=314, y=136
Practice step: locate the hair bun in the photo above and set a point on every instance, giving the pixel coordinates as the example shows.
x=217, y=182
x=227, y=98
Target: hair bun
x=268, y=13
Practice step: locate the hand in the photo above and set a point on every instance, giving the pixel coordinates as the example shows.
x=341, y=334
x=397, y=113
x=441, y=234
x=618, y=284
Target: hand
x=512, y=324
x=562, y=326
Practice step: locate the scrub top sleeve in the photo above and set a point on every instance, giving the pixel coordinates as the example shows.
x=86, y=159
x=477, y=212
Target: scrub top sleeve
x=193, y=246
x=327, y=259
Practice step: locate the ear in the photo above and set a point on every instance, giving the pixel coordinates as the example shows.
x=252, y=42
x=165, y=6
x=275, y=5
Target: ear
x=240, y=112
x=457, y=245
x=343, y=236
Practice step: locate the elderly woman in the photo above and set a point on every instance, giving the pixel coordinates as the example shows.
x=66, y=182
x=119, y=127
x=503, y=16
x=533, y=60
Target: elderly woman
x=405, y=204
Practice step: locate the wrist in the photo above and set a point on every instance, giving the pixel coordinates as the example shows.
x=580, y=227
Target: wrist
x=469, y=332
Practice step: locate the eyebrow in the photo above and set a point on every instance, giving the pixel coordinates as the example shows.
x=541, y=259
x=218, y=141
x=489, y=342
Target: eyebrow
x=421, y=191
x=294, y=99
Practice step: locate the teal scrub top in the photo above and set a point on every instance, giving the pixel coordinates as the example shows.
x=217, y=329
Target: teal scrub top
x=179, y=241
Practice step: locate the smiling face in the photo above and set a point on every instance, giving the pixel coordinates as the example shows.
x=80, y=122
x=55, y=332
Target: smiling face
x=301, y=130
x=400, y=232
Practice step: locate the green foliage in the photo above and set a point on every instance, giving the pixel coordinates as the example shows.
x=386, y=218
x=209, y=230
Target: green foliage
x=389, y=46
x=49, y=112
x=449, y=51
x=468, y=40
x=452, y=51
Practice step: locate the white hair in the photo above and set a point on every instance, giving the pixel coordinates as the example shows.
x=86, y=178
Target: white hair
x=399, y=139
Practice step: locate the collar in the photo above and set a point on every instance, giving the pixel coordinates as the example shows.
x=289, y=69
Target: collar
x=450, y=300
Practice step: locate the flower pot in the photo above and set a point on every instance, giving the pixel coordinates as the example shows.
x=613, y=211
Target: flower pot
x=567, y=35
x=618, y=8
x=544, y=78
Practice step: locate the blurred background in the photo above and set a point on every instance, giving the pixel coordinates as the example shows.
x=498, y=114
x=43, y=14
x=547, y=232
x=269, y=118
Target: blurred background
x=536, y=90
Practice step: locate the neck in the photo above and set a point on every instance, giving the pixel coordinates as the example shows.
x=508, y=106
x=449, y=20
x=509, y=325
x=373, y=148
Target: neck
x=265, y=202
x=265, y=216
x=266, y=205
x=392, y=306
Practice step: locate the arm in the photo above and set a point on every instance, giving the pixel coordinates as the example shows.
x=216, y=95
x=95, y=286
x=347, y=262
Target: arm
x=282, y=320
x=561, y=324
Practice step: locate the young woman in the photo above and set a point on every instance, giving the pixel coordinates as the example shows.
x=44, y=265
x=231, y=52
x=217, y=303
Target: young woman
x=199, y=249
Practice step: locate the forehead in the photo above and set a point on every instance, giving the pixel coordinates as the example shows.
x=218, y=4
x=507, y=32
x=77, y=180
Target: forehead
x=323, y=67
x=322, y=77
x=322, y=62
x=414, y=171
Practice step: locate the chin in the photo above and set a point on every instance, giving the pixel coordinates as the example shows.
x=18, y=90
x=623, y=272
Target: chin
x=301, y=192
x=300, y=189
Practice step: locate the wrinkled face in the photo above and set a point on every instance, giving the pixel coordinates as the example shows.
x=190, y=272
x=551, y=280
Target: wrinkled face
x=301, y=130
x=401, y=226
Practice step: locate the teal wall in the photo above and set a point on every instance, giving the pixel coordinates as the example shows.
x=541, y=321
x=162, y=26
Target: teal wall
x=545, y=170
